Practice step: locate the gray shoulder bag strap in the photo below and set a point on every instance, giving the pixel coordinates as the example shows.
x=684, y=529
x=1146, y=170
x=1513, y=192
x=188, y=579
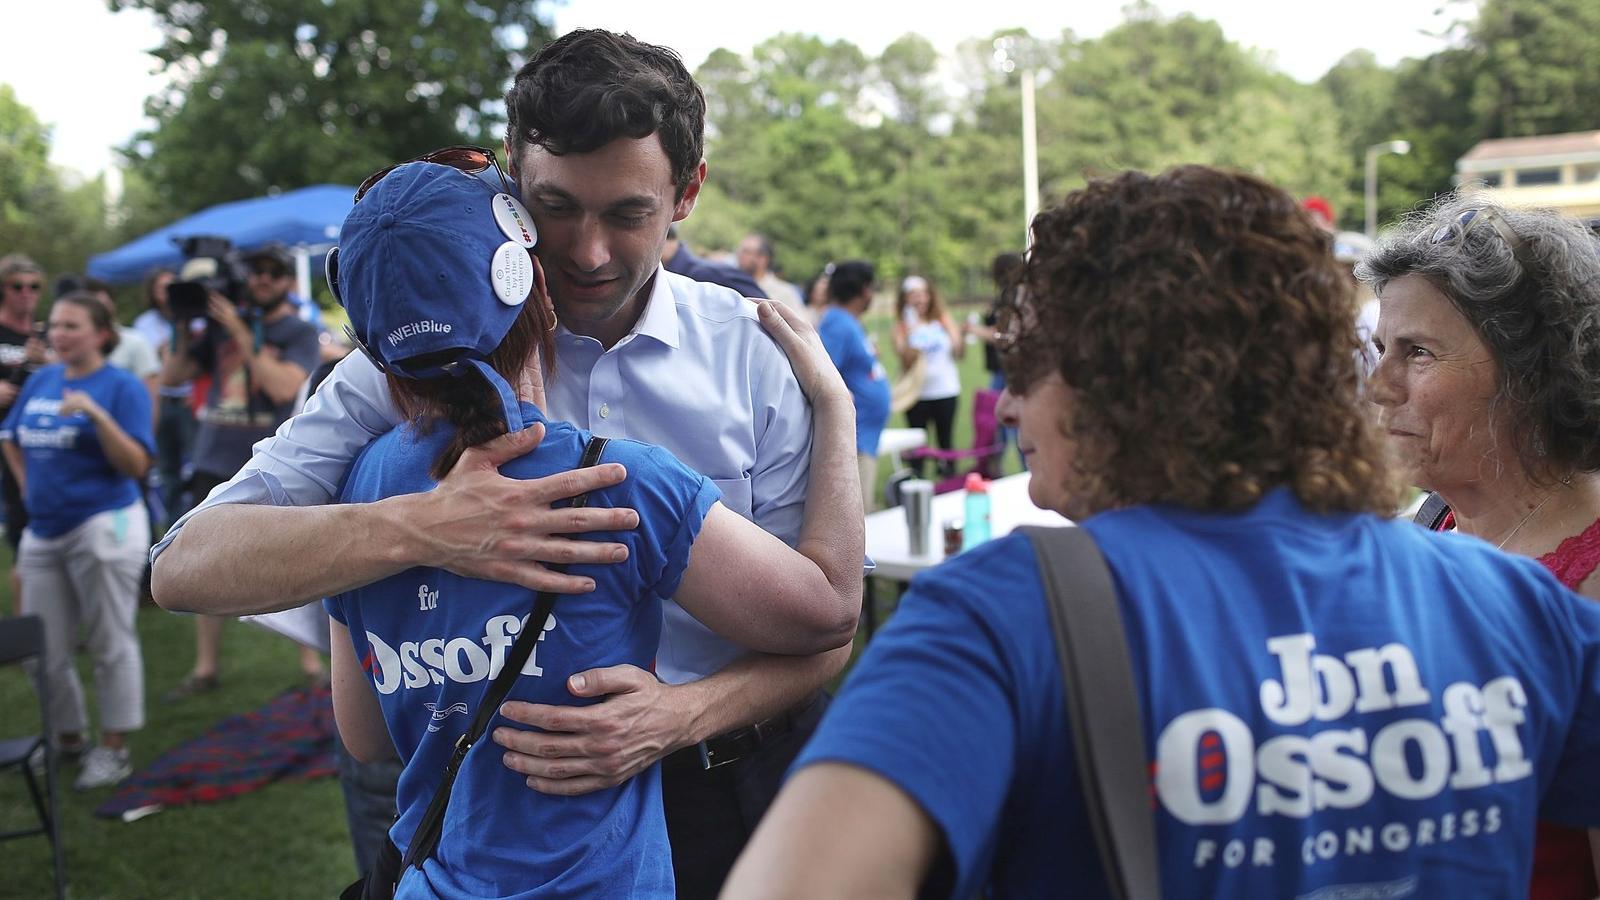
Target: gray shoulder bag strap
x=1102, y=708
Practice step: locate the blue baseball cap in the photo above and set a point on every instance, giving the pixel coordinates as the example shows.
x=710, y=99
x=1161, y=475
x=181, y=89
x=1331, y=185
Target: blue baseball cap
x=433, y=266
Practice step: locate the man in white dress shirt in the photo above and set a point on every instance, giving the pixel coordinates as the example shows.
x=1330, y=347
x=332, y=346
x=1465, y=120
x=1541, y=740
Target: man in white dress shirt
x=605, y=142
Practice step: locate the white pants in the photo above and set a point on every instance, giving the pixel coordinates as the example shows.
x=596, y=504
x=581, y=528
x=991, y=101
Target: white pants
x=89, y=577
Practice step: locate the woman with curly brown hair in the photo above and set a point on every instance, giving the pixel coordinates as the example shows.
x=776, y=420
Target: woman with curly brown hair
x=1333, y=702
x=1489, y=386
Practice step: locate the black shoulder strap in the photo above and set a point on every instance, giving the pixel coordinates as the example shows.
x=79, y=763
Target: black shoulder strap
x=1432, y=513
x=426, y=837
x=1102, y=707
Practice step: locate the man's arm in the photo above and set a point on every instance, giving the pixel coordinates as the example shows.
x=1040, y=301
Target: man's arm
x=273, y=375
x=263, y=542
x=882, y=848
x=643, y=719
x=272, y=371
x=237, y=559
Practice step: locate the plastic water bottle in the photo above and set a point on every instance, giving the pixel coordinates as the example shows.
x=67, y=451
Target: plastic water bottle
x=973, y=321
x=976, y=528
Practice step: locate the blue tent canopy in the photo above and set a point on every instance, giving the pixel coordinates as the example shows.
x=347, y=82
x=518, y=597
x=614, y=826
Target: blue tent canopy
x=305, y=220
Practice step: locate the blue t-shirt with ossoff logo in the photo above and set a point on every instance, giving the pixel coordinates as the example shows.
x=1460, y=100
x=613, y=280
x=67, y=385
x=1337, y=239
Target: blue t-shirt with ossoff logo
x=1334, y=706
x=69, y=477
x=432, y=642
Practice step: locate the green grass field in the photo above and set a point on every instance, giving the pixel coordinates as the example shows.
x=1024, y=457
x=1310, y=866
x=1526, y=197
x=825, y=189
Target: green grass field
x=287, y=840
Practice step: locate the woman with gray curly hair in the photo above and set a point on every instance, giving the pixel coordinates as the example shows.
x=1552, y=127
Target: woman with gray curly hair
x=1488, y=382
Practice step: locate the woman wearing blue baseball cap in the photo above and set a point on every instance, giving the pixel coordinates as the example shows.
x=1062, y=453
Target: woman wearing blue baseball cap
x=436, y=270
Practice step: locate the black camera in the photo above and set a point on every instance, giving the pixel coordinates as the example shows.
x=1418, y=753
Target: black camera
x=210, y=264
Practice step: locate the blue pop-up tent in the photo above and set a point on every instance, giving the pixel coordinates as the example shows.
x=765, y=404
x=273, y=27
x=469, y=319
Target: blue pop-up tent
x=306, y=221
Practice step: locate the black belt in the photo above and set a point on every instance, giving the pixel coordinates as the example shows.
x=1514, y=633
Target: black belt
x=743, y=742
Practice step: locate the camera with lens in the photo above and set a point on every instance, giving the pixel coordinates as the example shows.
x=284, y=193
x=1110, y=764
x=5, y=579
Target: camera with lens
x=210, y=264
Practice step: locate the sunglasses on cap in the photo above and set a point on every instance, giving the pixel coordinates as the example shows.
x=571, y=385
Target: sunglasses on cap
x=462, y=158
x=1454, y=233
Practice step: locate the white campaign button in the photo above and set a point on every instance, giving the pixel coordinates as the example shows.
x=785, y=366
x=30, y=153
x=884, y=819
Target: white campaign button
x=511, y=273
x=514, y=221
x=605, y=410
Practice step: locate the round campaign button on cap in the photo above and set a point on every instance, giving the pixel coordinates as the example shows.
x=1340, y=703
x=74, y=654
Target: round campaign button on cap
x=514, y=221
x=511, y=273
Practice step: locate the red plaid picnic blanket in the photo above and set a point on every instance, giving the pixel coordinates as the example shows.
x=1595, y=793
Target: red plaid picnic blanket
x=290, y=738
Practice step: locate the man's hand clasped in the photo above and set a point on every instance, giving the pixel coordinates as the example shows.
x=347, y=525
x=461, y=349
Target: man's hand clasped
x=587, y=748
x=484, y=525
x=638, y=719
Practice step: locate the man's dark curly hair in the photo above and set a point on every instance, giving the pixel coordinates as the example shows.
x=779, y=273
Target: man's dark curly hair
x=1209, y=340
x=589, y=87
x=1538, y=314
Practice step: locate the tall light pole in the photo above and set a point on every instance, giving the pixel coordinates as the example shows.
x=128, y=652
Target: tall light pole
x=1007, y=51
x=1373, y=152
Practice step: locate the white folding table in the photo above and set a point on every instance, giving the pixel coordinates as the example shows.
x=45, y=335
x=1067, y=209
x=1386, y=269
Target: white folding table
x=889, y=540
x=895, y=441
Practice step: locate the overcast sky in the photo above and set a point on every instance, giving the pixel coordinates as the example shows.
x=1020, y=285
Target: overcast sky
x=86, y=73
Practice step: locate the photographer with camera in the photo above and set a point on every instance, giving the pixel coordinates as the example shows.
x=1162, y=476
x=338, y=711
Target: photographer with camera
x=258, y=353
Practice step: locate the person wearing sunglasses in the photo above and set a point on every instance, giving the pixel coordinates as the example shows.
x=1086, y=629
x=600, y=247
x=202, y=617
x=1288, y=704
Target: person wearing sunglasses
x=22, y=352
x=1488, y=386
x=258, y=352
x=605, y=143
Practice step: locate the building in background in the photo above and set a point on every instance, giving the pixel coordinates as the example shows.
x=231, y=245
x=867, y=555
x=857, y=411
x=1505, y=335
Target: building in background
x=1555, y=171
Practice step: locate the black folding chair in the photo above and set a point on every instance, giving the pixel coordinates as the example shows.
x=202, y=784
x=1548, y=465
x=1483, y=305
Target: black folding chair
x=21, y=641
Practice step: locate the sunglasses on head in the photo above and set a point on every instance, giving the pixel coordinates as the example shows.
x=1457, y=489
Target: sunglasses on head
x=463, y=158
x=1454, y=233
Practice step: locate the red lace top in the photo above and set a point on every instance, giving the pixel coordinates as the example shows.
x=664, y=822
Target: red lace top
x=1562, y=867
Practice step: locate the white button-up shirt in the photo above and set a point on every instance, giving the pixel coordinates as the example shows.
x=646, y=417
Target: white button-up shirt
x=697, y=375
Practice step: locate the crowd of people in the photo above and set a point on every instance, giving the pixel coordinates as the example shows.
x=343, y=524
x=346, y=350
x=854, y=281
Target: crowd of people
x=108, y=432
x=1333, y=700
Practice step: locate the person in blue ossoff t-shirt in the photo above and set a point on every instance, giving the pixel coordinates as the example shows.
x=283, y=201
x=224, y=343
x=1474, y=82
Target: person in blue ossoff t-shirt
x=850, y=290
x=436, y=271
x=79, y=439
x=1334, y=703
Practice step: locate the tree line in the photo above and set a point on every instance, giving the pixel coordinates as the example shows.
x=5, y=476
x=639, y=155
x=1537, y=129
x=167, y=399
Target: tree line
x=904, y=158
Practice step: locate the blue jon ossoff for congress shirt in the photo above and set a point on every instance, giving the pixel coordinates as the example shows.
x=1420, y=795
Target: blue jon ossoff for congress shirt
x=1334, y=706
x=69, y=477
x=432, y=641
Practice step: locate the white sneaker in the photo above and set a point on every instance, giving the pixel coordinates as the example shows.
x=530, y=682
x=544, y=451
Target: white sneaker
x=103, y=766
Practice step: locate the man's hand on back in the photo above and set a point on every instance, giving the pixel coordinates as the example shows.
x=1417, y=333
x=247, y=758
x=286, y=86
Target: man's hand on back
x=586, y=748
x=481, y=524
